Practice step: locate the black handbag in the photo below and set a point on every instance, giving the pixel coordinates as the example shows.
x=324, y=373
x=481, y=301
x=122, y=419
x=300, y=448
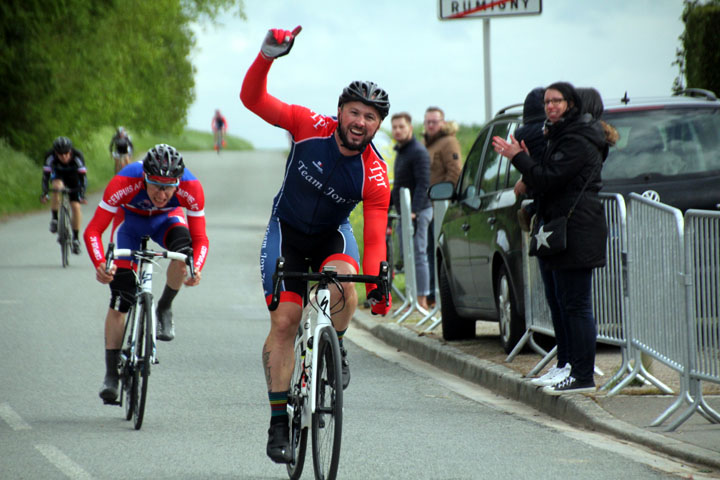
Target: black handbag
x=551, y=238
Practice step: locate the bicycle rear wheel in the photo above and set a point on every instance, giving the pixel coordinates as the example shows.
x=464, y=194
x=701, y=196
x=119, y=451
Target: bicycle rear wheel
x=327, y=419
x=296, y=404
x=64, y=233
x=145, y=348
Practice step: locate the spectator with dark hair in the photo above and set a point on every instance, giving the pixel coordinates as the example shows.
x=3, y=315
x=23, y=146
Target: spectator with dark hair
x=412, y=171
x=573, y=157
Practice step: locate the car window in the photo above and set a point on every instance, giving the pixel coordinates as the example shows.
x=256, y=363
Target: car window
x=668, y=142
x=490, y=170
x=472, y=162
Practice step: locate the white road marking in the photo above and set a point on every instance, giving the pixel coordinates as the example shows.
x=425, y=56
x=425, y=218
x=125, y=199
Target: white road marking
x=12, y=418
x=71, y=469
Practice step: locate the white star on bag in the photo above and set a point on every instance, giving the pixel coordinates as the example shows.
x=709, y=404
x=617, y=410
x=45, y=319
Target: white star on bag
x=542, y=236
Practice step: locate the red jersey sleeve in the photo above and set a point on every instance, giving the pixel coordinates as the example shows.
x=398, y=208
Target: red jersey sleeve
x=118, y=191
x=376, y=198
x=255, y=97
x=192, y=198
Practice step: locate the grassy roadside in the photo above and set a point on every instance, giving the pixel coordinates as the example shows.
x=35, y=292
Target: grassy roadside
x=20, y=186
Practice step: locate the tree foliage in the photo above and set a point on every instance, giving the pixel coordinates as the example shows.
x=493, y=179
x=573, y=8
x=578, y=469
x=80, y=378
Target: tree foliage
x=69, y=67
x=699, y=57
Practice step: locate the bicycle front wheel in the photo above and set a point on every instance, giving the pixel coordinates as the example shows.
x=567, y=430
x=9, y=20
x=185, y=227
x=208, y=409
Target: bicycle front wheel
x=64, y=234
x=145, y=348
x=327, y=419
x=127, y=375
x=296, y=405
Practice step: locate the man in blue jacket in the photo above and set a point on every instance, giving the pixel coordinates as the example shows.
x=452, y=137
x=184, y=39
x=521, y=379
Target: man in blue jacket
x=412, y=171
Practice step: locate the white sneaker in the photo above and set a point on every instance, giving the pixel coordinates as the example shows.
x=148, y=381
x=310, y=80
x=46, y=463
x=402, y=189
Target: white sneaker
x=553, y=376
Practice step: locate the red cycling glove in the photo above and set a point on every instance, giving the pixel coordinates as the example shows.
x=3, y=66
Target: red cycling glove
x=377, y=302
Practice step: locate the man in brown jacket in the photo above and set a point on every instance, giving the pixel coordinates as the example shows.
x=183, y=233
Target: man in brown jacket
x=443, y=147
x=445, y=166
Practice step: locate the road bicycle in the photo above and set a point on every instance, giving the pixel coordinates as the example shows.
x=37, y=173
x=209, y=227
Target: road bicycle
x=315, y=400
x=64, y=229
x=139, y=349
x=219, y=140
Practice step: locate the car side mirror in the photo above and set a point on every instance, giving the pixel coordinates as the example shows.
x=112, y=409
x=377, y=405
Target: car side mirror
x=442, y=191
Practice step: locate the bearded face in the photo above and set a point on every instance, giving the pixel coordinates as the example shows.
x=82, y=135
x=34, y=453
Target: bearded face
x=357, y=125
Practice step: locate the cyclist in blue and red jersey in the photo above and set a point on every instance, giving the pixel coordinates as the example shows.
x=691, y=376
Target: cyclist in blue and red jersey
x=65, y=167
x=146, y=198
x=332, y=167
x=219, y=127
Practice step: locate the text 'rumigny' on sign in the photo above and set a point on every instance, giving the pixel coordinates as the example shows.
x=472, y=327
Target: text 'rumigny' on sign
x=455, y=9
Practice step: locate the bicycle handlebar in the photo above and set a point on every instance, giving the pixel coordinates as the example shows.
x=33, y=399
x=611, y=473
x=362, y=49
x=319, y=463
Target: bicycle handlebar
x=147, y=254
x=382, y=280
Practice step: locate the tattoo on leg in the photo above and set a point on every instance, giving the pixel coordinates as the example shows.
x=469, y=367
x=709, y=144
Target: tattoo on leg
x=266, y=367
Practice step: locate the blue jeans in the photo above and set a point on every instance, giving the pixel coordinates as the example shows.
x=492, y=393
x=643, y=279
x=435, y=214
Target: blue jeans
x=569, y=295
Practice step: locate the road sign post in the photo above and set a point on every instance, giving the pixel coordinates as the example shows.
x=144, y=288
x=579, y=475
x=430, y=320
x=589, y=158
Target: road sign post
x=486, y=9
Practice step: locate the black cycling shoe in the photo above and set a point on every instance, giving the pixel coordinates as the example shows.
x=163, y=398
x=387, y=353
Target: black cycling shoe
x=109, y=390
x=345, y=368
x=165, y=326
x=53, y=226
x=278, y=446
x=76, y=246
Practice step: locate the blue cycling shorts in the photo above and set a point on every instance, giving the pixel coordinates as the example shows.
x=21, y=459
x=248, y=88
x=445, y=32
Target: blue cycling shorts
x=302, y=253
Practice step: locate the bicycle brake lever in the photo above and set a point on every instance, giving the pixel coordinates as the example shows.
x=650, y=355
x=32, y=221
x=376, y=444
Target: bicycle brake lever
x=109, y=257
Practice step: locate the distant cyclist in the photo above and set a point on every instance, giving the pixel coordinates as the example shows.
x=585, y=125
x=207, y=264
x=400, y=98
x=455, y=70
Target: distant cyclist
x=146, y=198
x=219, y=128
x=65, y=167
x=332, y=167
x=121, y=148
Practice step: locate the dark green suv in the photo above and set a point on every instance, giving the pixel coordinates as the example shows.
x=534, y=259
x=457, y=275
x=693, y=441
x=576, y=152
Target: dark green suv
x=669, y=150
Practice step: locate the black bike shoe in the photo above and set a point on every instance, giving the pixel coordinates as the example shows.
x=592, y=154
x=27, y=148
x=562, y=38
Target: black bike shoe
x=165, y=326
x=109, y=390
x=76, y=246
x=53, y=226
x=278, y=446
x=345, y=368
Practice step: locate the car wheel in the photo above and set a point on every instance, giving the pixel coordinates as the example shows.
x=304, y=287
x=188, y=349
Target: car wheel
x=512, y=325
x=454, y=326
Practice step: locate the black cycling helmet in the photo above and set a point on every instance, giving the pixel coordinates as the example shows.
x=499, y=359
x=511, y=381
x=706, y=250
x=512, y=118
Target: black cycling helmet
x=368, y=93
x=62, y=145
x=163, y=161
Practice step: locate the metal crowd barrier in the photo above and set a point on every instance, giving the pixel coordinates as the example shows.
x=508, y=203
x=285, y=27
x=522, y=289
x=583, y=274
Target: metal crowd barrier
x=410, y=303
x=702, y=290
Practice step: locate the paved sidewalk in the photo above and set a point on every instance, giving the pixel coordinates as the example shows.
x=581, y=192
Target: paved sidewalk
x=625, y=415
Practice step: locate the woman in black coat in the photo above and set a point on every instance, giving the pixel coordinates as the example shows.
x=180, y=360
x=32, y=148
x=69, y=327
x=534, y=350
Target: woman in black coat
x=575, y=150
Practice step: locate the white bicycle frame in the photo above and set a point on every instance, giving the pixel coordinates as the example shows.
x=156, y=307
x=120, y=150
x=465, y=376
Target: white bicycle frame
x=145, y=274
x=315, y=318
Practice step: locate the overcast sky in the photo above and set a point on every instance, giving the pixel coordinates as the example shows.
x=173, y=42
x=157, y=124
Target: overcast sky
x=612, y=45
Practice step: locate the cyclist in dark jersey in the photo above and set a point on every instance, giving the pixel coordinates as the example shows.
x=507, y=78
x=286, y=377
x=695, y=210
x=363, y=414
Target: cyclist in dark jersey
x=121, y=148
x=65, y=167
x=331, y=168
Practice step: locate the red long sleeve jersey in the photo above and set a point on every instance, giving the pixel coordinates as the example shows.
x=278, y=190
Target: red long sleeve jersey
x=321, y=186
x=126, y=193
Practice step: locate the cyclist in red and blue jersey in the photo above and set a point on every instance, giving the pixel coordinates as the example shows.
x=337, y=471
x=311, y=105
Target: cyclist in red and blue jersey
x=219, y=127
x=146, y=198
x=65, y=167
x=332, y=166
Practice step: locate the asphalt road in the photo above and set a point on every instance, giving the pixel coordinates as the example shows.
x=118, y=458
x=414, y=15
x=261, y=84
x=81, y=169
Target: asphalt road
x=207, y=411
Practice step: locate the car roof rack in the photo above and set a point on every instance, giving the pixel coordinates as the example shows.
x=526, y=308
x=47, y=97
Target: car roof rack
x=697, y=92
x=503, y=110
